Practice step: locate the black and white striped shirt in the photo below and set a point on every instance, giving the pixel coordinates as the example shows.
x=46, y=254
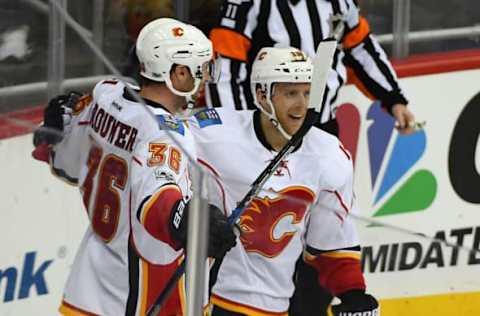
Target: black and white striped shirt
x=246, y=26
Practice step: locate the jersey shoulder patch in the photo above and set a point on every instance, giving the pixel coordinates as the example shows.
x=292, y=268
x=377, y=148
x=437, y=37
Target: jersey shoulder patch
x=169, y=122
x=208, y=117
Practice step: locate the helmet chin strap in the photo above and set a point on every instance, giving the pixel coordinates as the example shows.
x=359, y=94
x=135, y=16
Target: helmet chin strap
x=273, y=118
x=187, y=94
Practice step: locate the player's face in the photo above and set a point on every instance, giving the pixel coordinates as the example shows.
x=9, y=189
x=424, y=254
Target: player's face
x=291, y=101
x=183, y=80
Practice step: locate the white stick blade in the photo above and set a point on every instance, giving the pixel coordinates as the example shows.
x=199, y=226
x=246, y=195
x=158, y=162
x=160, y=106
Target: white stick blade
x=322, y=63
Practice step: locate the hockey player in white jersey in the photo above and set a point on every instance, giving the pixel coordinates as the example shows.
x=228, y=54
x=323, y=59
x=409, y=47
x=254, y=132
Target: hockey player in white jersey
x=306, y=204
x=133, y=178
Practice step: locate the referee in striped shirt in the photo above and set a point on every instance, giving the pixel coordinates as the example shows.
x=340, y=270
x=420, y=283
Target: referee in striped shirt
x=245, y=26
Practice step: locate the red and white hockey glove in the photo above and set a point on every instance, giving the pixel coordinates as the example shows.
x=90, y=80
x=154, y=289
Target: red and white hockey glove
x=356, y=303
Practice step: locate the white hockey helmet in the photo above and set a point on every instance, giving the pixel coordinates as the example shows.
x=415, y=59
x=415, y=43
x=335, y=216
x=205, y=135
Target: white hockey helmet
x=273, y=64
x=165, y=42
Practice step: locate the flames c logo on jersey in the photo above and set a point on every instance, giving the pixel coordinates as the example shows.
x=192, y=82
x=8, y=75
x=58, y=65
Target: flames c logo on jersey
x=266, y=224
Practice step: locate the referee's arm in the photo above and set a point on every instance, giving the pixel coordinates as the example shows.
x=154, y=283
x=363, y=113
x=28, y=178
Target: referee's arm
x=231, y=39
x=374, y=74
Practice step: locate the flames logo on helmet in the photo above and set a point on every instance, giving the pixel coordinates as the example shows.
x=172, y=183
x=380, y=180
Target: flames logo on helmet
x=177, y=31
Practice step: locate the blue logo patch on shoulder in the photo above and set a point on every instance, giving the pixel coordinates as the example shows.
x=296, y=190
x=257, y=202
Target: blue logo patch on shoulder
x=168, y=122
x=208, y=117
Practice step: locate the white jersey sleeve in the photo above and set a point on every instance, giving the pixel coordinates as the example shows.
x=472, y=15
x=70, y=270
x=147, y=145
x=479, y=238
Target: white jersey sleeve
x=331, y=226
x=66, y=157
x=332, y=245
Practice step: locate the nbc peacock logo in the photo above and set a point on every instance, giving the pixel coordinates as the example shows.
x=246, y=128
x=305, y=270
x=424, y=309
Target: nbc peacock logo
x=398, y=185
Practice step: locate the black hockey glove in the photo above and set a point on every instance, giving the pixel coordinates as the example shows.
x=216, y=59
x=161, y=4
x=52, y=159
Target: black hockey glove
x=57, y=113
x=356, y=302
x=178, y=223
x=221, y=236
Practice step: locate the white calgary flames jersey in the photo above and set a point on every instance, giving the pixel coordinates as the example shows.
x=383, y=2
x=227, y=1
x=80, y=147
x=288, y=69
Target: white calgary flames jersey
x=122, y=158
x=305, y=203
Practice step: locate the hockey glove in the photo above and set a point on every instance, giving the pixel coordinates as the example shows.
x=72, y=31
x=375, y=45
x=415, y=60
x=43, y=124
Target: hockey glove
x=56, y=116
x=356, y=302
x=178, y=223
x=221, y=236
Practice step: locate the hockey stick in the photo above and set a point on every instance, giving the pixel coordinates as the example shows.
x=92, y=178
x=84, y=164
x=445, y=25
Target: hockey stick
x=321, y=66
